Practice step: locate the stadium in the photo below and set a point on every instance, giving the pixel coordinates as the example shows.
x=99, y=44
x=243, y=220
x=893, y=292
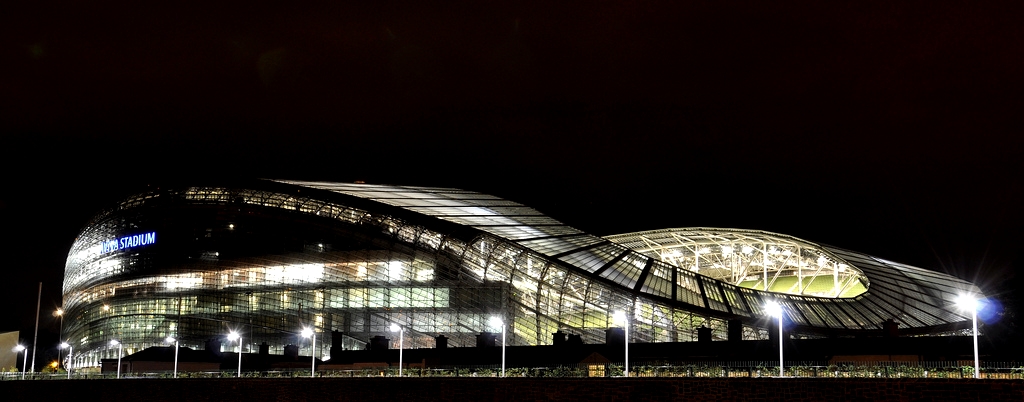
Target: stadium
x=271, y=257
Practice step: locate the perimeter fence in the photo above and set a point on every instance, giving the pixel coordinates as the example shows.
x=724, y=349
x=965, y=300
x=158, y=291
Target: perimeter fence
x=733, y=369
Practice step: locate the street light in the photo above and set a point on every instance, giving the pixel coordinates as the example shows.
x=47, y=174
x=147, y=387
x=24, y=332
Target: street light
x=171, y=339
x=620, y=318
x=71, y=351
x=967, y=302
x=24, y=359
x=114, y=342
x=231, y=337
x=401, y=339
x=306, y=333
x=498, y=322
x=60, y=334
x=775, y=310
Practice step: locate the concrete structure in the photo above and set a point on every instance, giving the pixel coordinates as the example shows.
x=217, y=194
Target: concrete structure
x=9, y=358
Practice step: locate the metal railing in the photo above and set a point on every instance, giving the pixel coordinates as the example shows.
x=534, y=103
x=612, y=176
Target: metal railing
x=737, y=369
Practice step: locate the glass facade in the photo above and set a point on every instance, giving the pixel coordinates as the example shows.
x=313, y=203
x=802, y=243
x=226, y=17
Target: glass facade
x=273, y=257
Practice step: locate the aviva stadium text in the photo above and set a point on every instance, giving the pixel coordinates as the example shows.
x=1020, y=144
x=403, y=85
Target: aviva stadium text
x=144, y=239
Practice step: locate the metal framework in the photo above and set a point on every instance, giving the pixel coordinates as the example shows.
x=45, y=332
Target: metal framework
x=272, y=257
x=751, y=259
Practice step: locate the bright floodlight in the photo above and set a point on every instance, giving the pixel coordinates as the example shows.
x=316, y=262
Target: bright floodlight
x=499, y=323
x=969, y=302
x=232, y=336
x=621, y=319
x=115, y=342
x=71, y=350
x=306, y=333
x=170, y=339
x=401, y=344
x=24, y=358
x=775, y=310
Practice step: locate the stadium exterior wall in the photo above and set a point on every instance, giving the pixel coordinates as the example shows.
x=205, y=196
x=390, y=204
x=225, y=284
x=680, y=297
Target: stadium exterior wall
x=270, y=258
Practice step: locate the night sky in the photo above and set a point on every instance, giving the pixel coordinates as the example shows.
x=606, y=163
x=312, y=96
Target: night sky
x=888, y=127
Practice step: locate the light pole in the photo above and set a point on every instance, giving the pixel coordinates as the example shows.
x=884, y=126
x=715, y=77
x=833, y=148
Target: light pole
x=306, y=333
x=401, y=346
x=114, y=342
x=498, y=322
x=775, y=310
x=24, y=359
x=231, y=337
x=967, y=302
x=620, y=318
x=60, y=333
x=171, y=339
x=71, y=351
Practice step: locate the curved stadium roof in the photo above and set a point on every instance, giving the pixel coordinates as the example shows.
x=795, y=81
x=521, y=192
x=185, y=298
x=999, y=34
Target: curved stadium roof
x=921, y=301
x=354, y=258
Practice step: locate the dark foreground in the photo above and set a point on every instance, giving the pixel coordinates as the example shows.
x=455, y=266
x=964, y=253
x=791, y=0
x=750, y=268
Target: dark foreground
x=521, y=389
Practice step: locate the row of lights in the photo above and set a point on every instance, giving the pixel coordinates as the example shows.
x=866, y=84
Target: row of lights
x=965, y=302
x=774, y=309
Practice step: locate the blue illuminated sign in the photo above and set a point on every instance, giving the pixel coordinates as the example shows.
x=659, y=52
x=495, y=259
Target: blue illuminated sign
x=144, y=239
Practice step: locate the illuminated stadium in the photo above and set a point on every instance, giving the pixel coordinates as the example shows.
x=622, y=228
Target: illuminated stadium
x=269, y=258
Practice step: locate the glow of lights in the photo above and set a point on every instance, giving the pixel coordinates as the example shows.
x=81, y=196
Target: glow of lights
x=499, y=323
x=775, y=310
x=970, y=302
x=24, y=359
x=115, y=342
x=170, y=339
x=395, y=269
x=306, y=333
x=401, y=346
x=65, y=345
x=232, y=336
x=967, y=302
x=620, y=319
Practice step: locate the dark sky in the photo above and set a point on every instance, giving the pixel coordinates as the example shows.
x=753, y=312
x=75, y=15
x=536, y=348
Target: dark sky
x=889, y=127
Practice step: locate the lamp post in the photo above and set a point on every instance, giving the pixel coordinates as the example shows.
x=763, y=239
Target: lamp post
x=114, y=342
x=60, y=334
x=620, y=318
x=401, y=346
x=71, y=351
x=231, y=337
x=967, y=302
x=775, y=310
x=171, y=339
x=306, y=333
x=24, y=359
x=498, y=322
